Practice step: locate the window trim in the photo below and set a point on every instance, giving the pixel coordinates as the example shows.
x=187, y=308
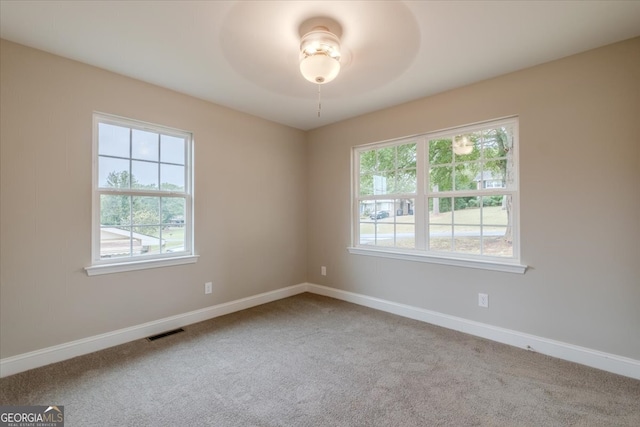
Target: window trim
x=113, y=265
x=99, y=269
x=421, y=253
x=420, y=256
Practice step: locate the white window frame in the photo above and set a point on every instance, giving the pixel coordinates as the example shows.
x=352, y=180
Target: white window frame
x=114, y=265
x=421, y=252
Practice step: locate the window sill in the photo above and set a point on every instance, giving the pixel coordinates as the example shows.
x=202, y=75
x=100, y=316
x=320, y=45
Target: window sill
x=495, y=265
x=99, y=269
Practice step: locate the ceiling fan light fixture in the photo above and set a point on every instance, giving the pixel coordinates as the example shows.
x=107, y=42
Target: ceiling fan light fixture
x=320, y=55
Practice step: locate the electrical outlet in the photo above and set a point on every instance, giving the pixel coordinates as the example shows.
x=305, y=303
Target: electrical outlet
x=483, y=300
x=323, y=270
x=208, y=288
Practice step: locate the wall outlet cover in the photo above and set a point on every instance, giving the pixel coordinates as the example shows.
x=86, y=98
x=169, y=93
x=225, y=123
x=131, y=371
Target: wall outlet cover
x=483, y=300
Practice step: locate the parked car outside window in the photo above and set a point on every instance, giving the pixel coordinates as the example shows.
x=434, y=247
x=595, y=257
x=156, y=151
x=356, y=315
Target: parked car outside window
x=380, y=215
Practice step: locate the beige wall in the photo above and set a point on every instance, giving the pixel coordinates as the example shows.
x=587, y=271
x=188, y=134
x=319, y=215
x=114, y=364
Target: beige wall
x=250, y=204
x=580, y=203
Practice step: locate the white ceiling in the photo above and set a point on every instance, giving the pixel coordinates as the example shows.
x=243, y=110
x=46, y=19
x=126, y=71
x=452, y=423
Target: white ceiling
x=244, y=54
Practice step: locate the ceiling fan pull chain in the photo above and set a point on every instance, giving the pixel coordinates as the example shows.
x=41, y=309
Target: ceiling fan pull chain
x=319, y=101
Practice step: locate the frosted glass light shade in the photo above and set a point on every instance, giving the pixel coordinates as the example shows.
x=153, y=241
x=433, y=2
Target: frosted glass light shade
x=319, y=68
x=320, y=56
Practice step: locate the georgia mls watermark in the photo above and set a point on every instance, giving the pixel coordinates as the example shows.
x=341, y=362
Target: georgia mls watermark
x=31, y=416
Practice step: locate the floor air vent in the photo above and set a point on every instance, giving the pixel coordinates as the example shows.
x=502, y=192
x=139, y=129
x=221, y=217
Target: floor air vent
x=164, y=334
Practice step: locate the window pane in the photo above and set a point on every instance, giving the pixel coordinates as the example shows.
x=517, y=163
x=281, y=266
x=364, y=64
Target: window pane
x=113, y=173
x=146, y=210
x=498, y=204
x=465, y=147
x=385, y=232
x=467, y=239
x=146, y=240
x=366, y=184
x=406, y=181
x=489, y=179
x=368, y=162
x=173, y=210
x=144, y=175
x=381, y=228
x=386, y=159
x=366, y=208
x=440, y=210
x=381, y=209
x=383, y=183
x=440, y=237
x=440, y=151
x=406, y=236
x=495, y=172
x=366, y=222
x=172, y=149
x=171, y=177
x=407, y=156
x=144, y=145
x=440, y=223
x=465, y=176
x=367, y=233
x=115, y=210
x=392, y=183
x=115, y=242
x=404, y=208
x=497, y=142
x=113, y=140
x=497, y=231
x=466, y=211
x=496, y=242
x=405, y=223
x=441, y=178
x=174, y=239
x=173, y=228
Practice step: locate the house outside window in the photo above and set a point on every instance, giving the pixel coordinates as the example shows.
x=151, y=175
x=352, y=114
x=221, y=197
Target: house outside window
x=489, y=179
x=142, y=194
x=449, y=197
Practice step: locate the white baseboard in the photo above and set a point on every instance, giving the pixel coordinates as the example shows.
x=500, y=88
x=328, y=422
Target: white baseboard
x=34, y=359
x=585, y=356
x=573, y=353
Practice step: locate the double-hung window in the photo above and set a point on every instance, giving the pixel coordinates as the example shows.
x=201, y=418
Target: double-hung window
x=386, y=194
x=449, y=197
x=142, y=195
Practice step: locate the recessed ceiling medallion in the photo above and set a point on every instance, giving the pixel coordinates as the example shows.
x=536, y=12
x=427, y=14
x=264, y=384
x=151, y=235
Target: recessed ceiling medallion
x=271, y=58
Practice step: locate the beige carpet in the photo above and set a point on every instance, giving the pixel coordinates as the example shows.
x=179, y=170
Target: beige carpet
x=315, y=361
